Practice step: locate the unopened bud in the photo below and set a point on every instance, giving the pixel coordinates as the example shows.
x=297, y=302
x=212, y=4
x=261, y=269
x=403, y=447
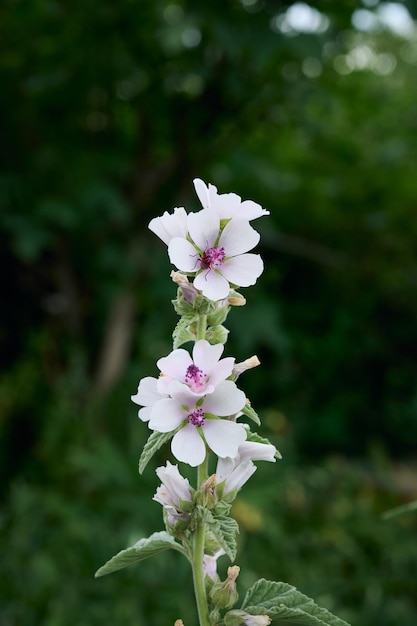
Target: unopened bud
x=187, y=289
x=206, y=495
x=248, y=364
x=179, y=622
x=224, y=595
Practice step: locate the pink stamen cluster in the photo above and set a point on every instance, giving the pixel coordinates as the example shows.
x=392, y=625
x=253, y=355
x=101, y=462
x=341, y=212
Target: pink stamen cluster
x=196, y=418
x=195, y=378
x=212, y=257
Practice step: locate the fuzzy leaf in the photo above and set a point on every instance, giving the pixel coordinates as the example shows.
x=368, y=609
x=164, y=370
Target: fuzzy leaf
x=155, y=441
x=183, y=331
x=251, y=413
x=224, y=530
x=282, y=601
x=142, y=549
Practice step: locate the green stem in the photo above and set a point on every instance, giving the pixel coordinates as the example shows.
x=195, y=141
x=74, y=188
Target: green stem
x=198, y=557
x=201, y=327
x=199, y=535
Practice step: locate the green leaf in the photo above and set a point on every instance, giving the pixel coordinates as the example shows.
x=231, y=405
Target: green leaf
x=282, y=601
x=183, y=331
x=155, y=441
x=251, y=413
x=142, y=549
x=250, y=436
x=224, y=530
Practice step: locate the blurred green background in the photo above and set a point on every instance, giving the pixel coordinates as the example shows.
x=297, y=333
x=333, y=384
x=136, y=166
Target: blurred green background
x=108, y=111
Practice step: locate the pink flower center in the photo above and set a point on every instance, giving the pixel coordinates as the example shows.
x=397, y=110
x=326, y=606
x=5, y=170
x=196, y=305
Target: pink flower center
x=195, y=378
x=212, y=257
x=196, y=418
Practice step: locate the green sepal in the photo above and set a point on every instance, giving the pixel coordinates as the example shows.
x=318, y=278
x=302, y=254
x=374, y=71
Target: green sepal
x=282, y=601
x=217, y=334
x=155, y=441
x=251, y=413
x=182, y=306
x=218, y=316
x=142, y=549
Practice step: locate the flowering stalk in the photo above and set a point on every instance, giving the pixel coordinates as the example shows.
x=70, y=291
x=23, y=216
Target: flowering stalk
x=196, y=404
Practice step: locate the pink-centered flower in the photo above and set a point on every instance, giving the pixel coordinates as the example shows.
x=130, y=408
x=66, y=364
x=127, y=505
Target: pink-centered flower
x=219, y=257
x=201, y=372
x=227, y=205
x=198, y=419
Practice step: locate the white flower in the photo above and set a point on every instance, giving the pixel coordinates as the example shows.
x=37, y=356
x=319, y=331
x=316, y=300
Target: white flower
x=235, y=472
x=219, y=257
x=146, y=396
x=198, y=418
x=170, y=225
x=201, y=373
x=173, y=490
x=227, y=205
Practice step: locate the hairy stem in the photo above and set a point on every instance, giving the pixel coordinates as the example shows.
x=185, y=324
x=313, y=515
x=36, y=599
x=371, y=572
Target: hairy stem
x=198, y=556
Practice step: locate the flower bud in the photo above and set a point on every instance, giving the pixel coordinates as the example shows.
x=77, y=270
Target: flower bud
x=224, y=595
x=175, y=495
x=206, y=495
x=248, y=364
x=240, y=618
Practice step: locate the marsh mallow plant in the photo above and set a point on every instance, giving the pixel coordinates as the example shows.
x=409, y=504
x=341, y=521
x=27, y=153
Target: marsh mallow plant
x=195, y=403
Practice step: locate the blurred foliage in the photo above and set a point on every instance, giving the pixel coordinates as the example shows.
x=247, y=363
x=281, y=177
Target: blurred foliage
x=108, y=111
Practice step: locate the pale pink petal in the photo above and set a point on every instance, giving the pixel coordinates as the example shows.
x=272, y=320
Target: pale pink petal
x=222, y=371
x=187, y=446
x=166, y=415
x=237, y=237
x=145, y=413
x=202, y=192
x=256, y=451
x=224, y=437
x=206, y=356
x=227, y=205
x=251, y=210
x=226, y=399
x=212, y=284
x=204, y=228
x=175, y=364
x=147, y=392
x=183, y=255
x=243, y=270
x=183, y=395
x=170, y=225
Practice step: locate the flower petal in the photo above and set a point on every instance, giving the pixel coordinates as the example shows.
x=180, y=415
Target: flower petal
x=237, y=237
x=175, y=364
x=226, y=399
x=147, y=393
x=204, y=228
x=170, y=225
x=187, y=446
x=183, y=255
x=243, y=270
x=212, y=284
x=206, y=356
x=166, y=415
x=224, y=437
